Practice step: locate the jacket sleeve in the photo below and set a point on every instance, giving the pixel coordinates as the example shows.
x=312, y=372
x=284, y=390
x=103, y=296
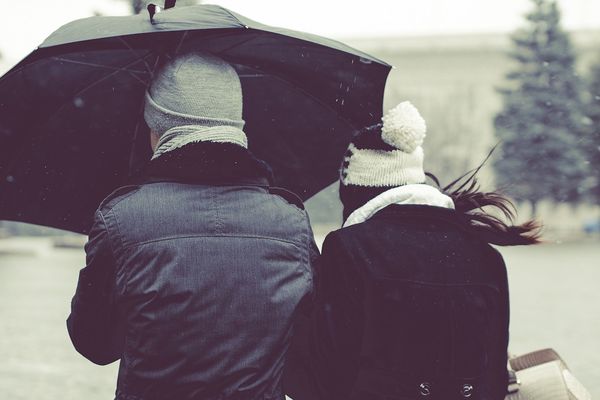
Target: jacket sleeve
x=337, y=323
x=298, y=382
x=93, y=323
x=306, y=307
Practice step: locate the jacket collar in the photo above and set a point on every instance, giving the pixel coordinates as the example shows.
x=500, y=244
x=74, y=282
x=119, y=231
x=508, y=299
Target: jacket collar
x=417, y=211
x=426, y=212
x=218, y=164
x=420, y=194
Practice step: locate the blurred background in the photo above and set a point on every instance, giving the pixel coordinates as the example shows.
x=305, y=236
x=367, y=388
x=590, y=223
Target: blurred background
x=520, y=74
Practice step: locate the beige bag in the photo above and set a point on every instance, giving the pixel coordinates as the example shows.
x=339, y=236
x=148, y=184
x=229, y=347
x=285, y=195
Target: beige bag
x=543, y=375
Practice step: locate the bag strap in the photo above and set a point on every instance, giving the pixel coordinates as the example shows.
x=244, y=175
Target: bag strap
x=551, y=378
x=534, y=358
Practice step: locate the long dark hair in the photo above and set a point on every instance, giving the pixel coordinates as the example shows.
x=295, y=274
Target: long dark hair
x=491, y=214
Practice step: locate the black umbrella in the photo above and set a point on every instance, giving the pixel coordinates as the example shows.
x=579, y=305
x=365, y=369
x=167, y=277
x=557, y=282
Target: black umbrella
x=71, y=121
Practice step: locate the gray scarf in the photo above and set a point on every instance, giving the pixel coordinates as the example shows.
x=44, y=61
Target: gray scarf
x=180, y=136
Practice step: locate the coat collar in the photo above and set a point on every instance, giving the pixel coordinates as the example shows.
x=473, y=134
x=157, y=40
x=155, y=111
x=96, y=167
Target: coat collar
x=417, y=211
x=209, y=163
x=417, y=194
x=431, y=213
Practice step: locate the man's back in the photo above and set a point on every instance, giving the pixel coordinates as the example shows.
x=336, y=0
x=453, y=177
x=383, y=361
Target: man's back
x=208, y=279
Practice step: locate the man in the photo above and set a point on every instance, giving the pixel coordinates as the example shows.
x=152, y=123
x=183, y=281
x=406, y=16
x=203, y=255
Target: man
x=194, y=277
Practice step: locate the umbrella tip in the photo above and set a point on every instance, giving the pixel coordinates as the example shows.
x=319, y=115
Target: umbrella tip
x=152, y=10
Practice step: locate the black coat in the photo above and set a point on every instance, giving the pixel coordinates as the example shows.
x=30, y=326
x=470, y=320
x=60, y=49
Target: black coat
x=410, y=301
x=194, y=278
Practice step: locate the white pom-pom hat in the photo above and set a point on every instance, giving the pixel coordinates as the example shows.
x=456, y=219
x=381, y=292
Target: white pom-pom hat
x=390, y=156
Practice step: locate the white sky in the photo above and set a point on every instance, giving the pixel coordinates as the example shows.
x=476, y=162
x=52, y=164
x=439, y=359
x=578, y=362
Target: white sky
x=27, y=22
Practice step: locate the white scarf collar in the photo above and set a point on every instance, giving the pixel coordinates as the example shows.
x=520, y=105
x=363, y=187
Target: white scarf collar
x=408, y=194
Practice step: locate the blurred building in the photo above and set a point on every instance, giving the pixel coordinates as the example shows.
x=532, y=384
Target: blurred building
x=453, y=82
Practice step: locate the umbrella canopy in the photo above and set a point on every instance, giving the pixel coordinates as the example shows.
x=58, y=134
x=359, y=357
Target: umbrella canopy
x=71, y=113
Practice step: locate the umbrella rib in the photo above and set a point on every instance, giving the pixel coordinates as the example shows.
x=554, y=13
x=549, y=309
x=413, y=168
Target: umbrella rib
x=89, y=64
x=233, y=46
x=137, y=78
x=181, y=41
x=98, y=81
x=156, y=62
x=148, y=69
x=113, y=73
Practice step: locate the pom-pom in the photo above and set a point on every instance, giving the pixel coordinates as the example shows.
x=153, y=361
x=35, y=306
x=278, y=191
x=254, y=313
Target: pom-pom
x=403, y=127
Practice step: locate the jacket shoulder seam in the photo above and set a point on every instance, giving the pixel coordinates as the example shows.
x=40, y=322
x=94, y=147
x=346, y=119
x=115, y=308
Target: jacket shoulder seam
x=289, y=198
x=295, y=244
x=123, y=191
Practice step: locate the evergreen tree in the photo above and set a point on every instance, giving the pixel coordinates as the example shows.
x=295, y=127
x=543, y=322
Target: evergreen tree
x=593, y=143
x=542, y=123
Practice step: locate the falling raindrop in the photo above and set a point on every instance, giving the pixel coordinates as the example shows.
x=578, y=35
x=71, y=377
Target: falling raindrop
x=78, y=102
x=10, y=179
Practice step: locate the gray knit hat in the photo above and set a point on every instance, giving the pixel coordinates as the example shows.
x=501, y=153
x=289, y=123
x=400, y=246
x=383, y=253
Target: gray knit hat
x=195, y=92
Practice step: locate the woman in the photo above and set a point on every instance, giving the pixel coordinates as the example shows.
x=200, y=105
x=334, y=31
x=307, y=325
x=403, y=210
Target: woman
x=412, y=299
